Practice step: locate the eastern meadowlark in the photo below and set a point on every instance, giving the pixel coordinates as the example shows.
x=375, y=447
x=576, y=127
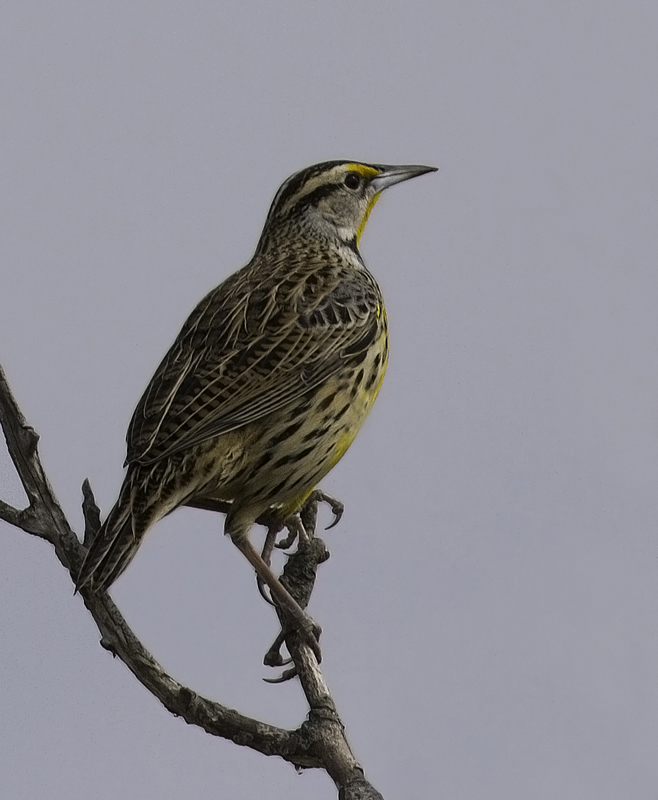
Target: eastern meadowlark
x=269, y=380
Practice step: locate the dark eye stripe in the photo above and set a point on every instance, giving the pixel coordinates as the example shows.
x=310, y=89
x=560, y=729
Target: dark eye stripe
x=296, y=182
x=292, y=197
x=314, y=197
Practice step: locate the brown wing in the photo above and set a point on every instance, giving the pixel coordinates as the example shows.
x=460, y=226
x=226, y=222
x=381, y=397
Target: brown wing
x=243, y=354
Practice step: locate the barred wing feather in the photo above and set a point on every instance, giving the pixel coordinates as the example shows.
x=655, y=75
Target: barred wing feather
x=220, y=374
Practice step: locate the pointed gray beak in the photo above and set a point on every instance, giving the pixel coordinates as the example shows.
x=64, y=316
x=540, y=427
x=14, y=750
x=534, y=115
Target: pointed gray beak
x=392, y=175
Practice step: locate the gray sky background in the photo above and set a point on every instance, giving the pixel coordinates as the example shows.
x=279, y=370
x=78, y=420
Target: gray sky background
x=490, y=610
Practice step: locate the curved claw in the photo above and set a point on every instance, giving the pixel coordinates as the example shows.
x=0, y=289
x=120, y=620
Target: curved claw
x=287, y=543
x=337, y=511
x=286, y=675
x=261, y=590
x=337, y=508
x=296, y=532
x=307, y=629
x=275, y=659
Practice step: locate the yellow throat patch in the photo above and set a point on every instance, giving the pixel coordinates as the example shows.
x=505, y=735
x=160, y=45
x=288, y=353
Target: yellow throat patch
x=367, y=172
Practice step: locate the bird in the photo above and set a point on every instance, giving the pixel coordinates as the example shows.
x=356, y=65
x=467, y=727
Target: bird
x=269, y=380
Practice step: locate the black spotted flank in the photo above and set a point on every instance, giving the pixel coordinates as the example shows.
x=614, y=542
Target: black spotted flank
x=356, y=385
x=286, y=433
x=342, y=412
x=292, y=458
x=276, y=490
x=317, y=433
x=328, y=400
x=289, y=458
x=371, y=380
x=263, y=460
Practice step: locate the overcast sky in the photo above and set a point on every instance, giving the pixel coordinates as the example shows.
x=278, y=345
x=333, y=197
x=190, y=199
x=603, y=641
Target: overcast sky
x=490, y=610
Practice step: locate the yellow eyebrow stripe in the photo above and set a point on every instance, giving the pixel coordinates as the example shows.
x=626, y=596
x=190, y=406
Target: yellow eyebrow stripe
x=367, y=172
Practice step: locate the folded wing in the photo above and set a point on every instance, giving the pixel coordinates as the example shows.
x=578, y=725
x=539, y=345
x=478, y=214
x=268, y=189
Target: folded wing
x=241, y=356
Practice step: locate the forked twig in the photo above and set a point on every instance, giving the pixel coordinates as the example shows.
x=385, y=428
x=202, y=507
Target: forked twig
x=318, y=742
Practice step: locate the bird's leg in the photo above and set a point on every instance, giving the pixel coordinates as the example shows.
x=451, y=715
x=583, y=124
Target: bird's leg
x=295, y=617
x=273, y=530
x=298, y=577
x=273, y=657
x=303, y=524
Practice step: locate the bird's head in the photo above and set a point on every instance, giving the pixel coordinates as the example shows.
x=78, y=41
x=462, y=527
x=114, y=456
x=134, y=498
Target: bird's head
x=334, y=199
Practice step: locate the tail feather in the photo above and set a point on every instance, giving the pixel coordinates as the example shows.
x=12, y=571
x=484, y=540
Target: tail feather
x=118, y=557
x=112, y=549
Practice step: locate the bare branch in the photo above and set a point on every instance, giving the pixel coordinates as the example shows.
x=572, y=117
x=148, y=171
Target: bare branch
x=214, y=718
x=14, y=516
x=22, y=441
x=319, y=742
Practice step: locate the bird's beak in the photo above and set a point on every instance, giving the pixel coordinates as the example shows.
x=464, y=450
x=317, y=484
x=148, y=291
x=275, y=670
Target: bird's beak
x=392, y=175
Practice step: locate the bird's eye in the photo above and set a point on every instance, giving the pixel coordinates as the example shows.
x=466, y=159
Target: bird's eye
x=352, y=180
